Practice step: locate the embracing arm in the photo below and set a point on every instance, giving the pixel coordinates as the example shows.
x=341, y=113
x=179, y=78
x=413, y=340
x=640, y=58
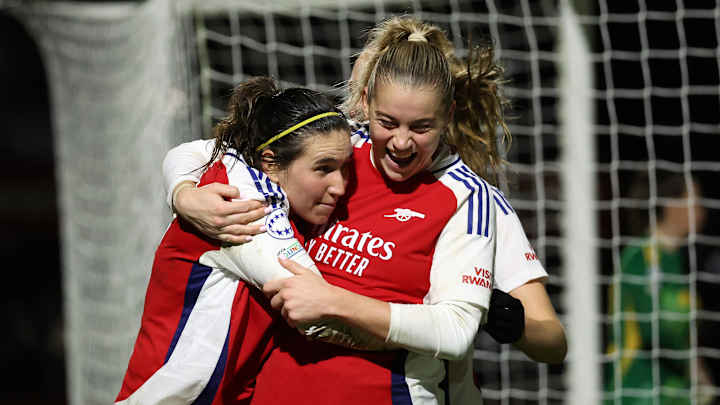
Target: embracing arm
x=444, y=326
x=544, y=336
x=213, y=209
x=443, y=330
x=185, y=163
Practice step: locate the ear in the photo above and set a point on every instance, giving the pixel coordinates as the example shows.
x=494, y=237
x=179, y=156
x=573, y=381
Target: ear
x=365, y=106
x=266, y=158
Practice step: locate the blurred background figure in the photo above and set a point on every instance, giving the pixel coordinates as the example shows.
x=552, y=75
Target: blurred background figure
x=651, y=300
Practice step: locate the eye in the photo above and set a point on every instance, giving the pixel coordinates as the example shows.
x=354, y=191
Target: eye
x=420, y=129
x=387, y=124
x=325, y=169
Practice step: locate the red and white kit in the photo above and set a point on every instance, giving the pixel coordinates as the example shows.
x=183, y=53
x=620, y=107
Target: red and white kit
x=349, y=251
x=204, y=331
x=428, y=240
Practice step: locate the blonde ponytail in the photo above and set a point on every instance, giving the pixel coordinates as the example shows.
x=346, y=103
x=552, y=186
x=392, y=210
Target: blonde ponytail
x=479, y=113
x=405, y=50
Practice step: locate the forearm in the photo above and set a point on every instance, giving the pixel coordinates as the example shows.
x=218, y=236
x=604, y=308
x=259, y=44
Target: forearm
x=543, y=340
x=368, y=314
x=185, y=163
x=544, y=336
x=443, y=330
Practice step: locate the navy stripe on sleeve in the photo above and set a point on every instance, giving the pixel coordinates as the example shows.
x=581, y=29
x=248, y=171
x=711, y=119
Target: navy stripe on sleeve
x=485, y=198
x=504, y=202
x=471, y=203
x=500, y=204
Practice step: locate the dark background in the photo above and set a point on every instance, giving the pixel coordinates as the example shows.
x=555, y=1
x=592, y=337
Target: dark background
x=31, y=347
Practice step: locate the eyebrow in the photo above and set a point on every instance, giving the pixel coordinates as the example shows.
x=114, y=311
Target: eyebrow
x=326, y=160
x=418, y=121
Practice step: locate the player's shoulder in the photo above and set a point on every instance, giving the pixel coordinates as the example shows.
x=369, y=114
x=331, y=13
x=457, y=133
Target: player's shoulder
x=451, y=171
x=252, y=183
x=501, y=202
x=204, y=146
x=472, y=192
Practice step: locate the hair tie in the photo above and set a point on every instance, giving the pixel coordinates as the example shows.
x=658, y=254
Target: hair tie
x=296, y=126
x=417, y=37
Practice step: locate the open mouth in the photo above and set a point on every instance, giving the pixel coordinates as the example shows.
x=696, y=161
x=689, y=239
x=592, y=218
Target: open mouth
x=401, y=161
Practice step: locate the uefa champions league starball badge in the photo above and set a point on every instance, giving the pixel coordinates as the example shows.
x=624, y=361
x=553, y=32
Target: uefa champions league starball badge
x=278, y=225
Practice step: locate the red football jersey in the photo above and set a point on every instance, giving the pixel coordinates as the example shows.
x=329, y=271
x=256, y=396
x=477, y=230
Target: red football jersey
x=396, y=242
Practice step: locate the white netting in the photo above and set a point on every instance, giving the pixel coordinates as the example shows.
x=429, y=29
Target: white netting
x=126, y=83
x=657, y=95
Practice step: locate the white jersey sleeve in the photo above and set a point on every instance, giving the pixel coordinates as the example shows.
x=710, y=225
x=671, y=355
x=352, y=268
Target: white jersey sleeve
x=185, y=162
x=515, y=261
x=464, y=258
x=515, y=265
x=256, y=262
x=460, y=276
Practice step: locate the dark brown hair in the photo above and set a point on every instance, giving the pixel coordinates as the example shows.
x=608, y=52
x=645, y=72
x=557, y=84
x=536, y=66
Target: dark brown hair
x=258, y=110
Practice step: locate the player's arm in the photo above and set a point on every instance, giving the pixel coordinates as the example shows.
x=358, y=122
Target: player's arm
x=460, y=278
x=544, y=336
x=426, y=329
x=185, y=163
x=214, y=209
x=518, y=271
x=445, y=327
x=256, y=263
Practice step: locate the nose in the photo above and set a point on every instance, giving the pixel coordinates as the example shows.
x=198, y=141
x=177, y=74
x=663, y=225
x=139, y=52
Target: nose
x=338, y=183
x=402, y=139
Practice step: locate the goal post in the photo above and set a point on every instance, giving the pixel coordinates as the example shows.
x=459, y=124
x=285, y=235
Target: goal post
x=577, y=119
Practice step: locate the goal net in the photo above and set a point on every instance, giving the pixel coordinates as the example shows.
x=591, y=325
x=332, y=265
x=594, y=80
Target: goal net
x=608, y=99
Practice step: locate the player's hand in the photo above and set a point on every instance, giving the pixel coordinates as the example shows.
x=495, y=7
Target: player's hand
x=208, y=210
x=305, y=297
x=505, y=318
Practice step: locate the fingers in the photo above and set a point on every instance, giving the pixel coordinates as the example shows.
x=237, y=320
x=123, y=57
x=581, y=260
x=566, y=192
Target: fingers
x=239, y=233
x=234, y=239
x=276, y=301
x=245, y=212
x=293, y=266
x=272, y=287
x=286, y=315
x=223, y=190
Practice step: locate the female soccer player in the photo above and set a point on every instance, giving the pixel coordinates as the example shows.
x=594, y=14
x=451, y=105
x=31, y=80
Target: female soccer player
x=204, y=332
x=408, y=111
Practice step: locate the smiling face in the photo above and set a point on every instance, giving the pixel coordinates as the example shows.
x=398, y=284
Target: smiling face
x=315, y=181
x=406, y=124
